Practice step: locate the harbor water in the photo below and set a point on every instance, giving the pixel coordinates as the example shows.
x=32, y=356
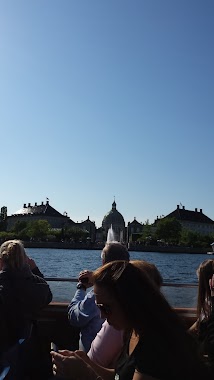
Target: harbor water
x=175, y=268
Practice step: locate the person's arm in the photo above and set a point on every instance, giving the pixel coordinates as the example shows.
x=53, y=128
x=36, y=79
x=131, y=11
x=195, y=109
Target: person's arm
x=194, y=328
x=77, y=365
x=106, y=346
x=82, y=308
x=44, y=296
x=34, y=269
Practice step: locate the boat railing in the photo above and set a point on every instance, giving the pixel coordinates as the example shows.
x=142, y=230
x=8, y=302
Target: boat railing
x=182, y=297
x=69, y=279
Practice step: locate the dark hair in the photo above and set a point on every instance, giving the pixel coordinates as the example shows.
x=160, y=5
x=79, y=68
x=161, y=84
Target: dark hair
x=149, y=314
x=150, y=270
x=204, y=272
x=114, y=251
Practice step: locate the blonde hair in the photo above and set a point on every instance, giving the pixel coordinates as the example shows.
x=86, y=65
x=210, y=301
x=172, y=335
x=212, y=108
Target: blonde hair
x=12, y=254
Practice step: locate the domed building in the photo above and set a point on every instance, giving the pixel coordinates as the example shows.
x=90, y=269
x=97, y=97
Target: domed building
x=115, y=220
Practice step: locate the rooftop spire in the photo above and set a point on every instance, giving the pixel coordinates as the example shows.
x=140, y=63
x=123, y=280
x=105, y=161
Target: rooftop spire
x=114, y=204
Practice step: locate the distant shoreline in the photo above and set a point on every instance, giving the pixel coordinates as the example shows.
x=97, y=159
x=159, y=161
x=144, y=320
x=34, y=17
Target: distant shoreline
x=138, y=247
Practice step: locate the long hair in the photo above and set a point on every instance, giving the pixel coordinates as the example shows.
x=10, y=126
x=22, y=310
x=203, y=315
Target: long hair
x=149, y=314
x=149, y=270
x=204, y=272
x=12, y=254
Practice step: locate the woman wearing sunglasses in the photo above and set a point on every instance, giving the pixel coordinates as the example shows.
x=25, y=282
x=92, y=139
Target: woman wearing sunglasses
x=157, y=345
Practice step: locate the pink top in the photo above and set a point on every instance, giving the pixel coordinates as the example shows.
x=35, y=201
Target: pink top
x=106, y=346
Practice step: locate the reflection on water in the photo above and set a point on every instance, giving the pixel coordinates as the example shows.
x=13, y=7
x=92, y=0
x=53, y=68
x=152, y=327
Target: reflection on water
x=181, y=297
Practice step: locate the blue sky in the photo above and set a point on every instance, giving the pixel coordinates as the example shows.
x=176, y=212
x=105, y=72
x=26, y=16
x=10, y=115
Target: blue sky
x=107, y=98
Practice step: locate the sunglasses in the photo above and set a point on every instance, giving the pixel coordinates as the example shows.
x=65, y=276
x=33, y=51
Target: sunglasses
x=105, y=309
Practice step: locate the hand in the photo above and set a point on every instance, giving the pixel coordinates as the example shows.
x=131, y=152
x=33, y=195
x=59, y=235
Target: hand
x=31, y=263
x=86, y=274
x=69, y=365
x=211, y=284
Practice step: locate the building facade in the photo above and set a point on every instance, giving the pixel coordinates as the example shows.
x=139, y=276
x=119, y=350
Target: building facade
x=194, y=221
x=31, y=213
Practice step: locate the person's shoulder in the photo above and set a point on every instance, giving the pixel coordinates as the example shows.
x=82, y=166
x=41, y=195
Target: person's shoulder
x=90, y=295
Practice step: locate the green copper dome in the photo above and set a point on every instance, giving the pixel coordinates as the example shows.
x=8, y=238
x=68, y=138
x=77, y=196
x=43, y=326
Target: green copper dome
x=114, y=218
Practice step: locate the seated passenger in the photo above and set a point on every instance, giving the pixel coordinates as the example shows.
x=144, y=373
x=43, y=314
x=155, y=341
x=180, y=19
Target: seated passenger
x=82, y=311
x=157, y=345
x=108, y=343
x=204, y=273
x=23, y=293
x=203, y=328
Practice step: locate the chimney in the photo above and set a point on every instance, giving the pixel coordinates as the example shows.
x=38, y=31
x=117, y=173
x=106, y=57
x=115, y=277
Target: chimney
x=35, y=203
x=183, y=207
x=42, y=204
x=47, y=202
x=196, y=210
x=24, y=206
x=177, y=207
x=201, y=210
x=29, y=205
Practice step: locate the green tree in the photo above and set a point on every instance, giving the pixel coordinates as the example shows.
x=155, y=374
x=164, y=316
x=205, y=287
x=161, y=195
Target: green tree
x=147, y=231
x=38, y=229
x=19, y=226
x=169, y=229
x=75, y=233
x=195, y=239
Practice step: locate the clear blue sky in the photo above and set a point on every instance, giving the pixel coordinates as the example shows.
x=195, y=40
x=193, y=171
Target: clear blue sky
x=107, y=98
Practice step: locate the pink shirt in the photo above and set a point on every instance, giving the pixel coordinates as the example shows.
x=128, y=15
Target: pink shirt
x=107, y=346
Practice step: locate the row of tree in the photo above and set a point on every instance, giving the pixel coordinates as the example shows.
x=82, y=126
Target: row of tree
x=41, y=230
x=170, y=231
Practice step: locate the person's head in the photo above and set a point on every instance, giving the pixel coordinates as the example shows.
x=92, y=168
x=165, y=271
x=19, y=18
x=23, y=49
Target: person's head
x=114, y=251
x=128, y=294
x=204, y=273
x=150, y=270
x=12, y=254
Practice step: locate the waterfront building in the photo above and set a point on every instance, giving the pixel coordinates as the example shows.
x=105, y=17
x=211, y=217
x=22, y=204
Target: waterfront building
x=134, y=230
x=43, y=211
x=194, y=221
x=115, y=220
x=90, y=227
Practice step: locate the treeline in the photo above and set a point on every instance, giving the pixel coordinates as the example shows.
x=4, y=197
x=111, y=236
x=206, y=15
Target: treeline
x=41, y=230
x=169, y=231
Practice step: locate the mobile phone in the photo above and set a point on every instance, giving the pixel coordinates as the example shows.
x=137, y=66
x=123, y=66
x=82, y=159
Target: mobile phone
x=54, y=347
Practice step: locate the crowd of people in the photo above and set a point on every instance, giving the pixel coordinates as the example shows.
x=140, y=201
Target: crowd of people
x=128, y=330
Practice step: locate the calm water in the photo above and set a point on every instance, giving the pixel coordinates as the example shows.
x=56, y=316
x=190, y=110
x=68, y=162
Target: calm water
x=175, y=268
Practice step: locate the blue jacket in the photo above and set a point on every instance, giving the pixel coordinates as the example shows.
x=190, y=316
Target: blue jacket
x=84, y=313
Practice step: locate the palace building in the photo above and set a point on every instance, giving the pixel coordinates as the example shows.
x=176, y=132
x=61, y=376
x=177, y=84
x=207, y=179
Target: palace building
x=43, y=211
x=194, y=221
